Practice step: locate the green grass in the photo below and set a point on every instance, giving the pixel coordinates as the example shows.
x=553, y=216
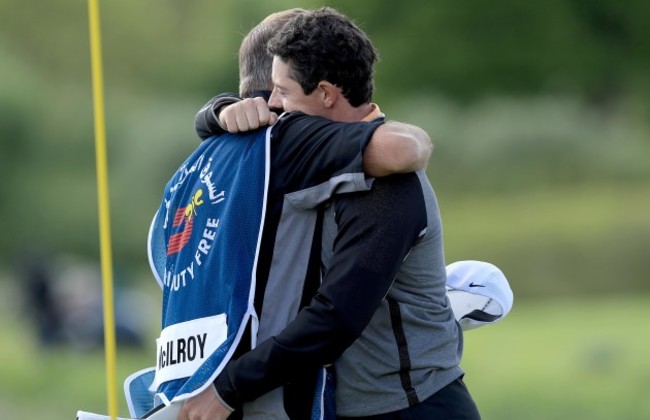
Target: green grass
x=590, y=240
x=563, y=359
x=55, y=383
x=555, y=359
x=574, y=346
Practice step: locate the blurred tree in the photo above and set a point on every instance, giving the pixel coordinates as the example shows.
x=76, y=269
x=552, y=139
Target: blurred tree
x=557, y=93
x=464, y=50
x=472, y=49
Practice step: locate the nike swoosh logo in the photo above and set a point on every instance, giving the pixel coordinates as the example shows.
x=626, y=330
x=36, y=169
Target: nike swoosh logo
x=472, y=284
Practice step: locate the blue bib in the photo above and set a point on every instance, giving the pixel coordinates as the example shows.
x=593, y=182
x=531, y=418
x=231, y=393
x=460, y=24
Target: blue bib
x=203, y=249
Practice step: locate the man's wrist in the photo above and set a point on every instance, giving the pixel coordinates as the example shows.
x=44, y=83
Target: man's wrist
x=221, y=400
x=226, y=393
x=219, y=105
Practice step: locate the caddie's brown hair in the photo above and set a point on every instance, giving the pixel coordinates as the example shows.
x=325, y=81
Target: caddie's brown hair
x=255, y=62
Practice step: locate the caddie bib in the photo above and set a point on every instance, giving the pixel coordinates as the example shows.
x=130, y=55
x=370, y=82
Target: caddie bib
x=203, y=247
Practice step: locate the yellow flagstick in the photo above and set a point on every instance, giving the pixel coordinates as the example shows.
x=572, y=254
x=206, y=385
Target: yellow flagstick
x=103, y=200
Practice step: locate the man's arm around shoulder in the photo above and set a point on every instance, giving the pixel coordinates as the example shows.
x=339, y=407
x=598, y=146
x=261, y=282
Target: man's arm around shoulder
x=394, y=147
x=397, y=148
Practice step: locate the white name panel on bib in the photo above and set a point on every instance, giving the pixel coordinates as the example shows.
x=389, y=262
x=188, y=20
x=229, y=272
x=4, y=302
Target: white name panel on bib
x=183, y=347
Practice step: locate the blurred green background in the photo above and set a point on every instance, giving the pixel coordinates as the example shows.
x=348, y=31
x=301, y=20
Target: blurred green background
x=540, y=114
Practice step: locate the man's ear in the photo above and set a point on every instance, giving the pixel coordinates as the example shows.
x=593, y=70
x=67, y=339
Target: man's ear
x=329, y=93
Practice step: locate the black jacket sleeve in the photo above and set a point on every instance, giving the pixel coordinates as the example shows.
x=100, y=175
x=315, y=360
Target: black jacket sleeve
x=376, y=230
x=205, y=121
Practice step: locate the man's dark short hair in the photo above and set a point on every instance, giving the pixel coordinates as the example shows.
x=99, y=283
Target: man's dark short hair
x=323, y=44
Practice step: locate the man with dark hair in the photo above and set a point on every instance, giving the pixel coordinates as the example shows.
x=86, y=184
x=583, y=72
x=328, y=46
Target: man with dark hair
x=345, y=57
x=380, y=315
x=212, y=243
